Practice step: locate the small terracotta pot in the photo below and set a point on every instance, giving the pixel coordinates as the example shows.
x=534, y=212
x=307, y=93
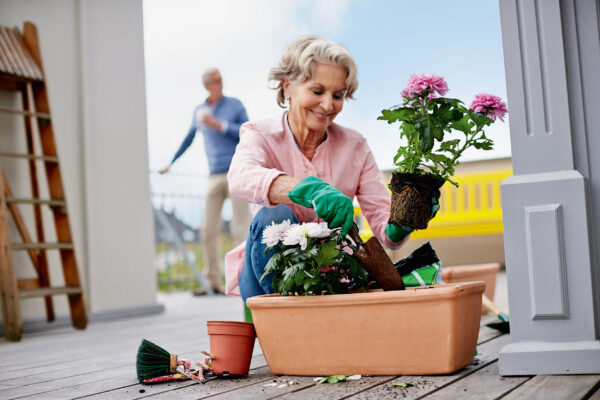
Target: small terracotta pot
x=418, y=331
x=472, y=273
x=412, y=199
x=232, y=344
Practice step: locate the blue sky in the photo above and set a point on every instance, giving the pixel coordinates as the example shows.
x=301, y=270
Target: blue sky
x=389, y=39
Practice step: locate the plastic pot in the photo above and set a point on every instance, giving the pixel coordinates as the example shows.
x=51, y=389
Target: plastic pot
x=232, y=344
x=418, y=331
x=472, y=273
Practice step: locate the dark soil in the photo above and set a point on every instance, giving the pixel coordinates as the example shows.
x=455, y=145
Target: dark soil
x=412, y=199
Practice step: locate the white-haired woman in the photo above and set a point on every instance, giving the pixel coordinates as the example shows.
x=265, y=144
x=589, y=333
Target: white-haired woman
x=303, y=167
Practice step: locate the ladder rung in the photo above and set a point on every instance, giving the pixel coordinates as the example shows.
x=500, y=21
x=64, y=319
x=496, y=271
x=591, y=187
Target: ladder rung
x=51, y=203
x=24, y=112
x=44, y=246
x=48, y=291
x=30, y=156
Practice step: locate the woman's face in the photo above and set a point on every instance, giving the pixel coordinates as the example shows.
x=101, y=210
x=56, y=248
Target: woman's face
x=315, y=102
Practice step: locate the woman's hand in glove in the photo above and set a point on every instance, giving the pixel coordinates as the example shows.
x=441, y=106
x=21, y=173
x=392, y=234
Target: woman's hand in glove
x=397, y=233
x=329, y=204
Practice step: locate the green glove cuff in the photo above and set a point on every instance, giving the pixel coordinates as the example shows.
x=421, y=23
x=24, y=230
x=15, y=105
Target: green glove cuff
x=397, y=233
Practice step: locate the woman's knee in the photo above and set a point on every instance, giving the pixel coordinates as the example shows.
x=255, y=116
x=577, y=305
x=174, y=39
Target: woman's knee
x=266, y=215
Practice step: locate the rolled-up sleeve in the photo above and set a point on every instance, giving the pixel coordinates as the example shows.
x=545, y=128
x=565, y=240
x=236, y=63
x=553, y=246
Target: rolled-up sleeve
x=374, y=198
x=249, y=176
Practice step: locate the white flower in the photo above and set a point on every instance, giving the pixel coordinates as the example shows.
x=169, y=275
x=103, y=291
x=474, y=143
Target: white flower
x=274, y=233
x=296, y=235
x=317, y=230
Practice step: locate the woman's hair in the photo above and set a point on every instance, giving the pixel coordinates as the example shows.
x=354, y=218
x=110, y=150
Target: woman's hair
x=298, y=59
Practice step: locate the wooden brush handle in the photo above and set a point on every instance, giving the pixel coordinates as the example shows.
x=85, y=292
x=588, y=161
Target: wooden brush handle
x=487, y=303
x=173, y=363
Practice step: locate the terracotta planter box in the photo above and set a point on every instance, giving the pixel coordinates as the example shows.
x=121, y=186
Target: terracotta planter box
x=417, y=331
x=473, y=273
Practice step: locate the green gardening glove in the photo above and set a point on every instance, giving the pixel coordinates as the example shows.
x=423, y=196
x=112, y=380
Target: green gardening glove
x=330, y=204
x=397, y=233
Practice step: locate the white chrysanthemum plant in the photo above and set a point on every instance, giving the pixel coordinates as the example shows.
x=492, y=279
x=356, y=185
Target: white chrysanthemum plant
x=308, y=259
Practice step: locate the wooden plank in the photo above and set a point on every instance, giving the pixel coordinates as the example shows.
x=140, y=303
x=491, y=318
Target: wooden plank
x=30, y=38
x=42, y=267
x=596, y=395
x=28, y=284
x=25, y=113
x=8, y=61
x=193, y=390
x=42, y=389
x=9, y=294
x=48, y=159
x=334, y=391
x=20, y=223
x=49, y=291
x=47, y=246
x=485, y=383
x=17, y=62
x=18, y=45
x=45, y=202
x=127, y=387
x=424, y=385
x=557, y=387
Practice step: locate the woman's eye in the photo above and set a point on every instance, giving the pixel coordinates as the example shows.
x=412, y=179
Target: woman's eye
x=338, y=96
x=317, y=92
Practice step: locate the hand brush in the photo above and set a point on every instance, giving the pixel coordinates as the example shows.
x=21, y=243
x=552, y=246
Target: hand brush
x=502, y=326
x=152, y=361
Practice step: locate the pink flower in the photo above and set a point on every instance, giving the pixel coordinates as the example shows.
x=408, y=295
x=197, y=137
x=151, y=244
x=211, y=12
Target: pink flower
x=489, y=105
x=421, y=82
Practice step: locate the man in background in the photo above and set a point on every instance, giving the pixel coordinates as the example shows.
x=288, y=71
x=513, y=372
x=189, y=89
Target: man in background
x=219, y=118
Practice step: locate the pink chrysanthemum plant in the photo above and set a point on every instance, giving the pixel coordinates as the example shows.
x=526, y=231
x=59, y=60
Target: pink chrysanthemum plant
x=308, y=259
x=426, y=118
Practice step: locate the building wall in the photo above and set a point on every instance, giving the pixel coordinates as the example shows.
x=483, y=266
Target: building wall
x=94, y=64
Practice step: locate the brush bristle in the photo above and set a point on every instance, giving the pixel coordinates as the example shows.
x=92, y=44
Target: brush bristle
x=152, y=361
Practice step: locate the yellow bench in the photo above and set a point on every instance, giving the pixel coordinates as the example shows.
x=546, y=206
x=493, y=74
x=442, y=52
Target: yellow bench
x=472, y=209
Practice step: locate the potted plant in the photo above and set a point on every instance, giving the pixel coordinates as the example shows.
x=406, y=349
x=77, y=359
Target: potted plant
x=437, y=131
x=312, y=316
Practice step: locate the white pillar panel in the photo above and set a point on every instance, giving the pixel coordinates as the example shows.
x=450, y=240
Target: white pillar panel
x=549, y=205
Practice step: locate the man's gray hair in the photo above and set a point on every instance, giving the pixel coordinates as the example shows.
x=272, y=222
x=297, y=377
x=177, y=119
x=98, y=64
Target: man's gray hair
x=298, y=59
x=206, y=75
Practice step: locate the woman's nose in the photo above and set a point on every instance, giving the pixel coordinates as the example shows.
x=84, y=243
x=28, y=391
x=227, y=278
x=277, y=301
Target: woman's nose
x=327, y=103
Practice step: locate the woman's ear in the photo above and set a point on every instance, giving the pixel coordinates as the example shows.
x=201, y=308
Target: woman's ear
x=285, y=84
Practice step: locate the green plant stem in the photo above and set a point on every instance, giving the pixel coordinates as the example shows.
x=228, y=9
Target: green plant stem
x=459, y=152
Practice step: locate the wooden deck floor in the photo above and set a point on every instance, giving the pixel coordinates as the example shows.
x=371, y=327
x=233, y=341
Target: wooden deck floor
x=99, y=363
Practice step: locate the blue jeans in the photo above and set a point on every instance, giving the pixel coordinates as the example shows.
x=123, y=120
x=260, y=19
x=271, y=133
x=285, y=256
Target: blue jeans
x=255, y=258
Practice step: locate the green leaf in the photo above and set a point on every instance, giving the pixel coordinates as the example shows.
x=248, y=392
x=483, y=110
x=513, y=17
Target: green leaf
x=464, y=124
x=400, y=384
x=272, y=265
x=426, y=137
x=398, y=114
x=449, y=145
x=439, y=158
x=327, y=254
x=480, y=119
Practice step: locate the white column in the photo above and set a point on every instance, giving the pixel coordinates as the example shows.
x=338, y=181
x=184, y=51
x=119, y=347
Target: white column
x=551, y=233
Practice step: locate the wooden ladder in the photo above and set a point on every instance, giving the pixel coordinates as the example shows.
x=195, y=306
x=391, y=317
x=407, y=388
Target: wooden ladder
x=21, y=72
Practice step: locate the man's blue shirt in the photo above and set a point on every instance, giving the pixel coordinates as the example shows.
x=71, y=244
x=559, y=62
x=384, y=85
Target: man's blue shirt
x=219, y=146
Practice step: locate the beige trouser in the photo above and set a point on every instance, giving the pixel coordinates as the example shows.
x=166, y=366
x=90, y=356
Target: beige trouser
x=218, y=191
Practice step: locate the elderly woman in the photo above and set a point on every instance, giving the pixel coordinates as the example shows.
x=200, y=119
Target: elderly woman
x=303, y=167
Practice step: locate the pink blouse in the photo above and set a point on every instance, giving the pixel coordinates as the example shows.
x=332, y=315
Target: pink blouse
x=268, y=149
